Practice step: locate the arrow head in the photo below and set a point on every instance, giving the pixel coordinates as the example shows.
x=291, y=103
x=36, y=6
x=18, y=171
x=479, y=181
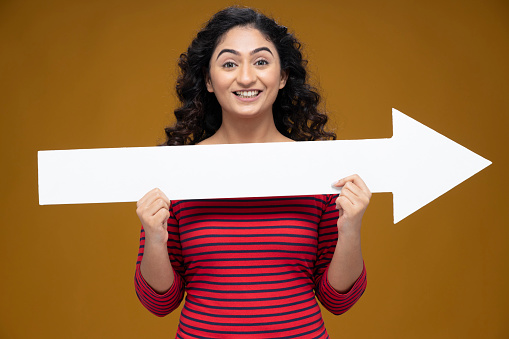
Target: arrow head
x=426, y=164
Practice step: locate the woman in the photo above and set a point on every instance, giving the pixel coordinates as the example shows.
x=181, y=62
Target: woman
x=251, y=267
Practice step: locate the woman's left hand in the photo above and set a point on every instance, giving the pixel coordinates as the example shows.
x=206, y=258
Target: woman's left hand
x=351, y=203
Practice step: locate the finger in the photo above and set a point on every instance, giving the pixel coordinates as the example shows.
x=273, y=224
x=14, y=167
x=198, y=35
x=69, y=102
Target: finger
x=146, y=197
x=157, y=194
x=353, y=188
x=357, y=180
x=348, y=195
x=154, y=195
x=341, y=211
x=147, y=211
x=162, y=216
x=157, y=205
x=342, y=202
x=165, y=198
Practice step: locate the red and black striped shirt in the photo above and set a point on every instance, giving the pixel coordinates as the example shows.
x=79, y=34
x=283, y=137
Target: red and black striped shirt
x=251, y=267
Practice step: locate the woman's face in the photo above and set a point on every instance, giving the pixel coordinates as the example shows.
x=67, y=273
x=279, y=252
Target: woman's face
x=245, y=73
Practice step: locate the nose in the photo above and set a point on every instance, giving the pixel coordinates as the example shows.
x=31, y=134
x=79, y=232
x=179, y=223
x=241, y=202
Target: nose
x=246, y=75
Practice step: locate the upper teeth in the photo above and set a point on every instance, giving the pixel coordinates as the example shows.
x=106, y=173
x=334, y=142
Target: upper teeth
x=247, y=94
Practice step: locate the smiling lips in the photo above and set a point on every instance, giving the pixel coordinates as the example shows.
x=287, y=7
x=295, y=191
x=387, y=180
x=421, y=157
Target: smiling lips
x=247, y=94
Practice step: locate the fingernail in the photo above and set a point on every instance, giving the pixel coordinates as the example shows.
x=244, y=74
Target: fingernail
x=336, y=182
x=336, y=187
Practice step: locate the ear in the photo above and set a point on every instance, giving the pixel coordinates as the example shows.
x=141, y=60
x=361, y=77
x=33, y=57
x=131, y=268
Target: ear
x=208, y=82
x=284, y=78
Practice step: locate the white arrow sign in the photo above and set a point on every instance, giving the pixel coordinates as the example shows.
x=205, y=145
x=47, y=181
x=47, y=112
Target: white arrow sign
x=417, y=165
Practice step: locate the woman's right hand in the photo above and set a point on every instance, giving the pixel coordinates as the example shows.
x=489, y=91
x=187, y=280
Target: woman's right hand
x=154, y=210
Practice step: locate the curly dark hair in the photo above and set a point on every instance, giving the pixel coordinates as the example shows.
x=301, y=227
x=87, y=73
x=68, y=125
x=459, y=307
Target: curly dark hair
x=295, y=109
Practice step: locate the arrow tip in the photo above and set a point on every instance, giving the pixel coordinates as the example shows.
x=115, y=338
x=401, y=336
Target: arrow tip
x=427, y=165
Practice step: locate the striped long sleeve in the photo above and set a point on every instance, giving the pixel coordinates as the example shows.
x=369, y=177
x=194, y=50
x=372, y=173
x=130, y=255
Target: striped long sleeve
x=251, y=267
x=162, y=304
x=335, y=302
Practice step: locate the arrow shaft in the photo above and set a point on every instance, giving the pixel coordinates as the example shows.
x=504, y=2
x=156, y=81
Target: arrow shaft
x=211, y=171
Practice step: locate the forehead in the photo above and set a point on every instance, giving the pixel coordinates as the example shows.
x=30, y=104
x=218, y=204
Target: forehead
x=244, y=39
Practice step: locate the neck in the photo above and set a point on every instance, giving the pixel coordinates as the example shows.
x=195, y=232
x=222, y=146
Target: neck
x=247, y=130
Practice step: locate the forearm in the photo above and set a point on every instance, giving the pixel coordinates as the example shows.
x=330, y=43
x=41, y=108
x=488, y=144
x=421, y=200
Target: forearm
x=347, y=263
x=156, y=267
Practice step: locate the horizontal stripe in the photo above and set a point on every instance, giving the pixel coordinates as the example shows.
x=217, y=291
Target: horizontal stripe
x=245, y=267
x=245, y=228
x=269, y=290
x=242, y=275
x=251, y=308
x=250, y=220
x=281, y=297
x=244, y=283
x=249, y=243
x=316, y=215
x=271, y=251
x=233, y=201
x=247, y=236
x=248, y=316
x=204, y=329
x=257, y=324
x=240, y=259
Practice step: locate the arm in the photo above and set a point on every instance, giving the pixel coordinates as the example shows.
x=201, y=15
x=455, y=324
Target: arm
x=347, y=263
x=340, y=275
x=159, y=288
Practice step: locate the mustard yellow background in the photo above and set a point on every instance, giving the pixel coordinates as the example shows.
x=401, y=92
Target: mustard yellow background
x=88, y=74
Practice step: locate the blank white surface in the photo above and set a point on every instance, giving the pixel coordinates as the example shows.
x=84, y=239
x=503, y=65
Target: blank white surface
x=417, y=164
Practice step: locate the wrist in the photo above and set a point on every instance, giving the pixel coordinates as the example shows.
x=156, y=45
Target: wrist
x=155, y=242
x=349, y=236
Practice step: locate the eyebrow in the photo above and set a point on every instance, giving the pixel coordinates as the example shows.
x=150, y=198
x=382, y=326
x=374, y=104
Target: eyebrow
x=254, y=51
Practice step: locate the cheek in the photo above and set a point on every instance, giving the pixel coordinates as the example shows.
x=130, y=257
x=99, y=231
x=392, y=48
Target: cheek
x=218, y=83
x=273, y=79
x=275, y=84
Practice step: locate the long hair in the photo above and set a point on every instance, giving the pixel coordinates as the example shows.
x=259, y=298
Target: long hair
x=295, y=109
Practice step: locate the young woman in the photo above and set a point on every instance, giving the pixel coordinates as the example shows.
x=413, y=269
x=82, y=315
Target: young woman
x=251, y=267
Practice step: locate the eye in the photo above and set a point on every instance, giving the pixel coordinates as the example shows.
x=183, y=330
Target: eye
x=261, y=62
x=228, y=64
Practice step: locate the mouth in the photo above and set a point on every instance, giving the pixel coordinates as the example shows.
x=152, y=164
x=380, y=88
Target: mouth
x=247, y=94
